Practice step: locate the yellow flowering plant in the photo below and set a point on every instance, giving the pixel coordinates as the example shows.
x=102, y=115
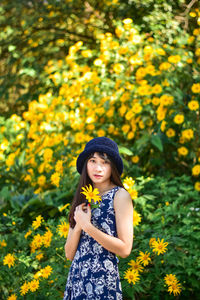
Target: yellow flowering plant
x=92, y=196
x=35, y=265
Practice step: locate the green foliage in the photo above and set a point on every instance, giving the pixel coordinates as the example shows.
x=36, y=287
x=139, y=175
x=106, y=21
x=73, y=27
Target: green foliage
x=170, y=210
x=27, y=267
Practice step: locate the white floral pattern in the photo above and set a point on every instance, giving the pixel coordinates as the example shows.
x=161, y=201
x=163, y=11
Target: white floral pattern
x=94, y=274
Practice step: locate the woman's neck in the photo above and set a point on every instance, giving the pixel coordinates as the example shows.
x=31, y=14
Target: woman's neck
x=104, y=187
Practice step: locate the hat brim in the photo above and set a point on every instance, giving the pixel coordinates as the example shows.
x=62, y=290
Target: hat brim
x=99, y=148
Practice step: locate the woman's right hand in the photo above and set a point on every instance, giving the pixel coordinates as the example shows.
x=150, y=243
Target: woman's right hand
x=83, y=207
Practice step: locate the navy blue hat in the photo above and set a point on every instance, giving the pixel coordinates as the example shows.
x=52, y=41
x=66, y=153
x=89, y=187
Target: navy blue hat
x=104, y=145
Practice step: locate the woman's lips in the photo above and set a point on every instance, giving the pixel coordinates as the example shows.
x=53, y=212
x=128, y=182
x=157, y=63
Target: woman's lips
x=97, y=176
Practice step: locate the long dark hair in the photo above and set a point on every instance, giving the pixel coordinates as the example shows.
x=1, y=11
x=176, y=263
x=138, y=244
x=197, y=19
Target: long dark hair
x=85, y=180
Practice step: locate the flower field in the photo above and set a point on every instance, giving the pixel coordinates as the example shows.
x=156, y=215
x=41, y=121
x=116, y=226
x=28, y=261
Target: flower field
x=145, y=95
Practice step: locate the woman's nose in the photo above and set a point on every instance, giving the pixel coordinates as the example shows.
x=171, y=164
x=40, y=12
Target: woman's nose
x=98, y=167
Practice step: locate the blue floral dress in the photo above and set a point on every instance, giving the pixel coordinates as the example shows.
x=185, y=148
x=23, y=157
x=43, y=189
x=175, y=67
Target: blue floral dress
x=94, y=274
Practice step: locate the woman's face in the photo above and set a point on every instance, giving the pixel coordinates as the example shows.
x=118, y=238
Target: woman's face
x=99, y=169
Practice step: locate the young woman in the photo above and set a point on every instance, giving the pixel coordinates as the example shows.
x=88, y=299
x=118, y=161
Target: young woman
x=96, y=236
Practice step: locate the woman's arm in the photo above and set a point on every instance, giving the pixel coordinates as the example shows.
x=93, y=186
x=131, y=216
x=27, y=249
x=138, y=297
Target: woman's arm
x=122, y=244
x=72, y=240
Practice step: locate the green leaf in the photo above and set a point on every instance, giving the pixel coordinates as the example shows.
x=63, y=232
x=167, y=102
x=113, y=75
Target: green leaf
x=142, y=142
x=156, y=141
x=124, y=150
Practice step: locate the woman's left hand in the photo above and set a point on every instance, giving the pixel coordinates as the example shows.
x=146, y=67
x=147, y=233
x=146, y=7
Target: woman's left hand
x=82, y=215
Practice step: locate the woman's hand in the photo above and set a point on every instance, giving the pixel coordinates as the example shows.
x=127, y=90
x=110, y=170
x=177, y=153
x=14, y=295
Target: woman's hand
x=82, y=215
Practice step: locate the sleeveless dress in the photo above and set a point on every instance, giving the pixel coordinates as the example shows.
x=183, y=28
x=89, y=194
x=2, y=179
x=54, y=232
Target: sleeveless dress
x=94, y=274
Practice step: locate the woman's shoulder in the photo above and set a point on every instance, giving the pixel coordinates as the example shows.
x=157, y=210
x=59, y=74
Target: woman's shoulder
x=122, y=192
x=122, y=200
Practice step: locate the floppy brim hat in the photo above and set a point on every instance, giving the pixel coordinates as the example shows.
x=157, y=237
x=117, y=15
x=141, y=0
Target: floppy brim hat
x=104, y=145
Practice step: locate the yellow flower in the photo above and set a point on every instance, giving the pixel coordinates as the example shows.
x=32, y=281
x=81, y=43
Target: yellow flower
x=63, y=207
x=140, y=73
x=101, y=132
x=161, y=113
x=164, y=66
x=160, y=51
x=41, y=180
x=170, y=278
x=189, y=60
x=131, y=276
x=33, y=285
x=197, y=186
x=179, y=119
x=24, y=288
x=133, y=193
x=156, y=89
x=27, y=234
x=37, y=275
x=192, y=14
x=197, y=52
x=127, y=21
x=188, y=134
x=129, y=115
x=196, y=170
x=170, y=132
x=193, y=105
x=163, y=125
x=174, y=59
x=63, y=229
x=9, y=260
x=119, y=31
x=12, y=297
x=10, y=160
x=98, y=62
x=37, y=223
x=130, y=135
x=91, y=194
x=86, y=53
x=59, y=166
x=128, y=182
x=182, y=151
x=122, y=110
x=144, y=258
x=48, y=153
x=46, y=271
x=46, y=239
x=151, y=241
x=136, y=218
x=195, y=88
x=135, y=159
x=166, y=100
x=3, y=243
x=159, y=246
x=126, y=128
x=36, y=242
x=118, y=68
x=175, y=287
x=137, y=108
x=55, y=179
x=135, y=265
x=190, y=39
x=39, y=256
